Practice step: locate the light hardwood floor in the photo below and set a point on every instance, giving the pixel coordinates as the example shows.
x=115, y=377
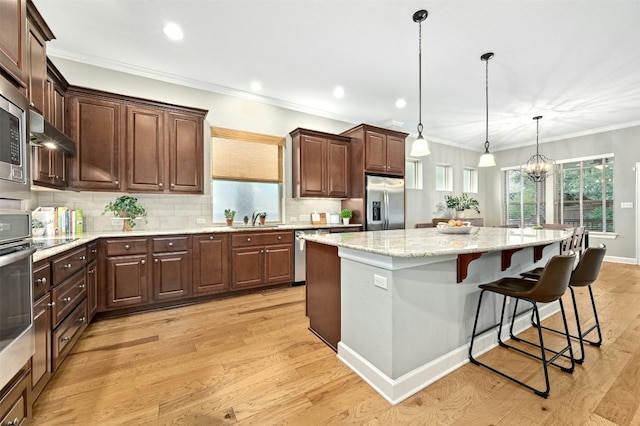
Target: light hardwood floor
x=250, y=360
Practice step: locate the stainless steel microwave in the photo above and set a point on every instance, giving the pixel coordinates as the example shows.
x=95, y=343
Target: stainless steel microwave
x=14, y=148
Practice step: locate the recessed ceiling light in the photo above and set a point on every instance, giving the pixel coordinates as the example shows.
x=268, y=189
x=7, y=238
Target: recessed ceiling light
x=401, y=103
x=173, y=31
x=256, y=86
x=338, y=92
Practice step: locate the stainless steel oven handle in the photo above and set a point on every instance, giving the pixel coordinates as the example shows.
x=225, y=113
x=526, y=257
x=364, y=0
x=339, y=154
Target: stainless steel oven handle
x=8, y=259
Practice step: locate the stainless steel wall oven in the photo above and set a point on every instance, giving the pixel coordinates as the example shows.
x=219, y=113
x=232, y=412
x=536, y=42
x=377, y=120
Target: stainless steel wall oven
x=16, y=304
x=15, y=182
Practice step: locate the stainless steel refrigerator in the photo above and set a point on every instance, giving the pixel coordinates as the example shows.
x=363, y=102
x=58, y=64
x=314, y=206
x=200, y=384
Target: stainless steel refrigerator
x=385, y=203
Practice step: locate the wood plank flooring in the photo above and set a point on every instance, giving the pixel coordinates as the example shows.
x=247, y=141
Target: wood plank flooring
x=250, y=360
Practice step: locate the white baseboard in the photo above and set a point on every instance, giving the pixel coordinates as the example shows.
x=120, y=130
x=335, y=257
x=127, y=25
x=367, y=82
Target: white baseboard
x=397, y=390
x=616, y=259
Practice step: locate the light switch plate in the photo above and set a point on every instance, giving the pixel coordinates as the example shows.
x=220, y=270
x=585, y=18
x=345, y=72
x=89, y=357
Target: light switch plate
x=626, y=205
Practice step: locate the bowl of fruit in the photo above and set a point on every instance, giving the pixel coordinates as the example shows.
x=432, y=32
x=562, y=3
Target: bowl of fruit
x=454, y=227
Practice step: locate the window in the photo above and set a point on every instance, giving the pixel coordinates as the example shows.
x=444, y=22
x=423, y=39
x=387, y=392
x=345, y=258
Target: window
x=444, y=177
x=413, y=174
x=584, y=193
x=469, y=180
x=523, y=199
x=246, y=174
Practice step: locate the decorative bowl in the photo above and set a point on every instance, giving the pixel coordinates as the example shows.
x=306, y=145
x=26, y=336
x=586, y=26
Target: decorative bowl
x=445, y=228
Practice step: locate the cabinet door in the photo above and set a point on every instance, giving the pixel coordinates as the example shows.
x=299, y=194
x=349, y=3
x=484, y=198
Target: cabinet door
x=278, y=264
x=248, y=267
x=91, y=280
x=210, y=264
x=313, y=166
x=145, y=149
x=41, y=359
x=185, y=153
x=375, y=152
x=56, y=109
x=395, y=155
x=37, y=69
x=126, y=281
x=13, y=20
x=95, y=126
x=15, y=406
x=337, y=169
x=171, y=275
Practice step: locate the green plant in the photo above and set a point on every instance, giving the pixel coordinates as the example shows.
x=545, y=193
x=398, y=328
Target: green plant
x=127, y=206
x=462, y=202
x=229, y=214
x=36, y=223
x=262, y=215
x=346, y=214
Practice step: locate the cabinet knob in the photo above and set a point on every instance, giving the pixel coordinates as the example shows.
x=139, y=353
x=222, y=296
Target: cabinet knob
x=94, y=251
x=266, y=251
x=81, y=320
x=82, y=258
x=173, y=184
x=40, y=281
x=248, y=238
x=66, y=299
x=66, y=338
x=211, y=237
x=142, y=262
x=155, y=260
x=127, y=246
x=160, y=184
x=67, y=266
x=170, y=244
x=91, y=271
x=117, y=182
x=51, y=305
x=279, y=237
x=15, y=421
x=81, y=286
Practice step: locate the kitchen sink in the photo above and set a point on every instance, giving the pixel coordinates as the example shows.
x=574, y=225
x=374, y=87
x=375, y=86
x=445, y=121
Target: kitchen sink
x=249, y=226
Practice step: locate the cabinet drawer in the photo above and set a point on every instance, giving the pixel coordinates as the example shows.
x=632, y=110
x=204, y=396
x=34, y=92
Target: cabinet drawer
x=65, y=266
x=14, y=406
x=67, y=295
x=126, y=246
x=92, y=251
x=68, y=333
x=167, y=244
x=41, y=279
x=260, y=239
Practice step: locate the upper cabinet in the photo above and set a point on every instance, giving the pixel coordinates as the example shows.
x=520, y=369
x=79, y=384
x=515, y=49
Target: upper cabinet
x=135, y=145
x=12, y=40
x=320, y=164
x=38, y=34
x=383, y=150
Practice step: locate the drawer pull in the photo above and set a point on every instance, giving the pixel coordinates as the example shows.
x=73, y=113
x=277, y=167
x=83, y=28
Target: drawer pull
x=51, y=305
x=82, y=258
x=160, y=185
x=66, y=299
x=279, y=237
x=155, y=260
x=92, y=271
x=127, y=246
x=117, y=182
x=40, y=281
x=66, y=338
x=81, y=320
x=15, y=422
x=81, y=286
x=266, y=251
x=142, y=262
x=211, y=237
x=67, y=266
x=94, y=251
x=170, y=244
x=248, y=238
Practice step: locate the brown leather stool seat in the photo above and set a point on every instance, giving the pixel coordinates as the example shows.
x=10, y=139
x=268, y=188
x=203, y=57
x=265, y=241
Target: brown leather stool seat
x=551, y=286
x=585, y=273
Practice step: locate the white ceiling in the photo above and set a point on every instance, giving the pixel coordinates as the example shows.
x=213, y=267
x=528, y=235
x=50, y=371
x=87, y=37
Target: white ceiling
x=575, y=62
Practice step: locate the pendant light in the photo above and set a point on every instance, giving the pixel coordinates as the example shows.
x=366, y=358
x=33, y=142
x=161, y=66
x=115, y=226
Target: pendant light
x=420, y=146
x=538, y=167
x=486, y=159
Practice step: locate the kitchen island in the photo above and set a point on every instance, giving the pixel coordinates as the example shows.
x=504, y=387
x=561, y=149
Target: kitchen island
x=398, y=306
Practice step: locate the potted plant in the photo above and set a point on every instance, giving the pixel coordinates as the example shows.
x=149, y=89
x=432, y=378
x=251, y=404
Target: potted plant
x=229, y=215
x=37, y=227
x=462, y=203
x=127, y=207
x=263, y=217
x=245, y=219
x=346, y=215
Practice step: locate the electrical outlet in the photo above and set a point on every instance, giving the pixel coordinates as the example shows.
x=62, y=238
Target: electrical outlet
x=116, y=222
x=201, y=221
x=293, y=219
x=627, y=205
x=379, y=281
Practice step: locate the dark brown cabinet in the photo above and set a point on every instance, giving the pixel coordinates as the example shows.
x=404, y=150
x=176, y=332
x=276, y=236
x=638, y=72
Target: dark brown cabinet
x=15, y=401
x=186, y=152
x=261, y=259
x=38, y=33
x=12, y=39
x=378, y=150
x=126, y=273
x=320, y=164
x=41, y=365
x=145, y=149
x=91, y=279
x=171, y=267
x=95, y=126
x=210, y=255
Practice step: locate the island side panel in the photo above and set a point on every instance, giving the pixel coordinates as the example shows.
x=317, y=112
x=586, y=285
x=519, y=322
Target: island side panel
x=323, y=292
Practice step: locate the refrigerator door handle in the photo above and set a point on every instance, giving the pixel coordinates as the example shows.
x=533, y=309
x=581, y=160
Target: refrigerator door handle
x=386, y=210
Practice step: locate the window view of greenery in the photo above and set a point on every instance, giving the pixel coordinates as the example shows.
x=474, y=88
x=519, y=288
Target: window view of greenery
x=584, y=194
x=245, y=198
x=522, y=203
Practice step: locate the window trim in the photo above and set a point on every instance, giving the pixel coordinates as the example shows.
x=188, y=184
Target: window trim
x=475, y=185
x=448, y=178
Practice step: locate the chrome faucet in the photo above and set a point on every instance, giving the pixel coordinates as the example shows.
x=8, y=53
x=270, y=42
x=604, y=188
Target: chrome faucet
x=254, y=216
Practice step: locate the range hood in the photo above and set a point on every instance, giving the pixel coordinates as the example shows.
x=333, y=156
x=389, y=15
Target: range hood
x=43, y=133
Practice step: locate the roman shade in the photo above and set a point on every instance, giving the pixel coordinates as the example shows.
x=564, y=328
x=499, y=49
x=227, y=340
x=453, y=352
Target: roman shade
x=246, y=156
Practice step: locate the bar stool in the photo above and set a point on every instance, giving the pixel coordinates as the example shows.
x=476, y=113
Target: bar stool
x=565, y=247
x=583, y=275
x=551, y=286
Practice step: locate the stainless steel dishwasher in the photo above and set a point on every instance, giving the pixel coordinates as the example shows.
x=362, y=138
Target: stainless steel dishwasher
x=300, y=267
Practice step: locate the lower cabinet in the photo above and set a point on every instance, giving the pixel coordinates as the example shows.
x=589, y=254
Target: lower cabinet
x=41, y=366
x=261, y=259
x=126, y=272
x=171, y=268
x=15, y=401
x=68, y=332
x=210, y=259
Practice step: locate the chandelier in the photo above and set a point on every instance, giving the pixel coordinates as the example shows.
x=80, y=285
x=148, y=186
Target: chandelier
x=538, y=167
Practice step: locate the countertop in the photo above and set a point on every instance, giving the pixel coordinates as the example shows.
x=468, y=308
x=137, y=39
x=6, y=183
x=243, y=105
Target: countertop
x=425, y=242
x=87, y=237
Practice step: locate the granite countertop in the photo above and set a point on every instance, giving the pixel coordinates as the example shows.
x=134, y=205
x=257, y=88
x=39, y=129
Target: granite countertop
x=87, y=237
x=424, y=242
